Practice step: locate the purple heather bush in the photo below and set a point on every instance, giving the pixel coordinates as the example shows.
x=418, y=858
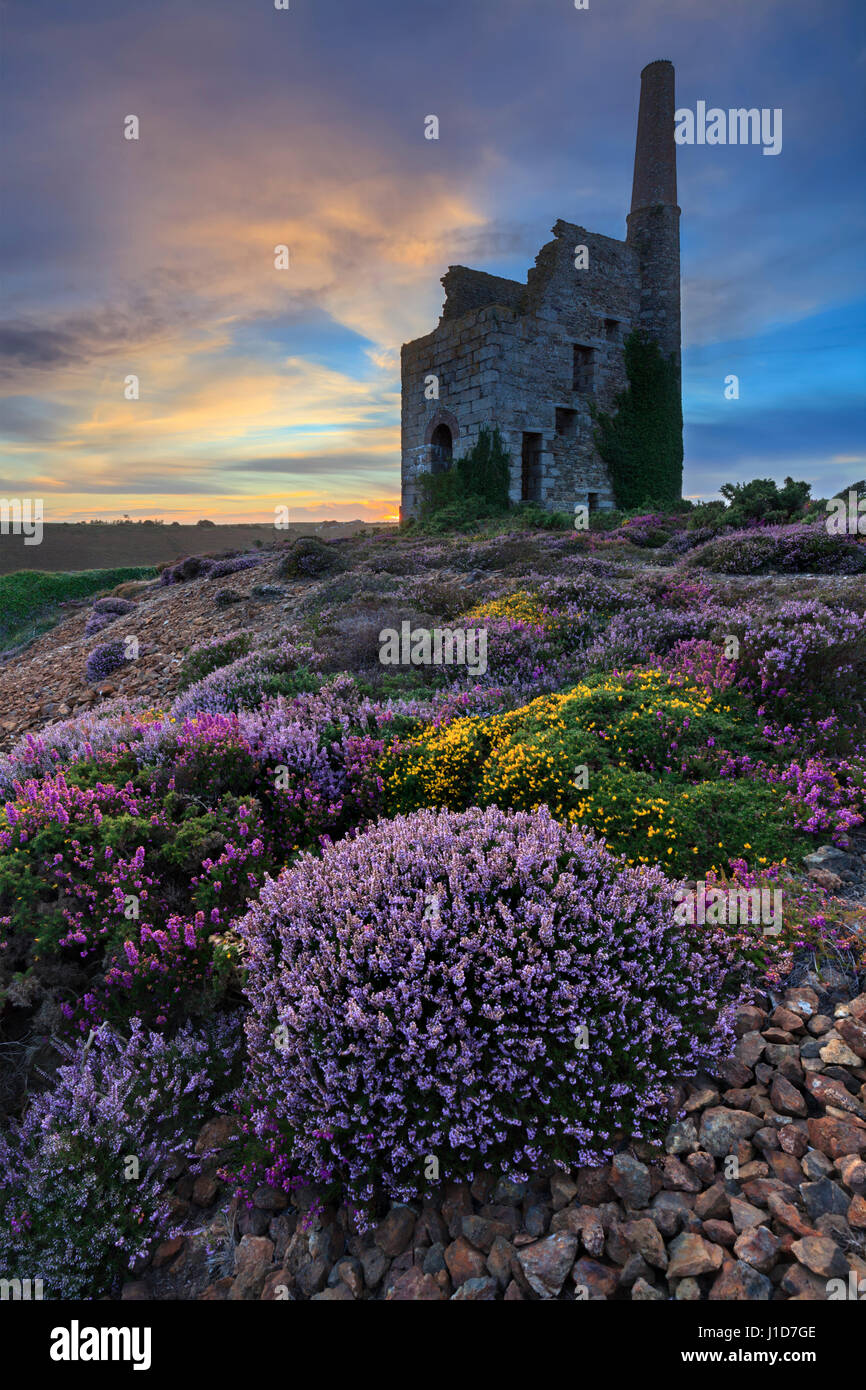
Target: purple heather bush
x=233, y=565
x=807, y=548
x=804, y=660
x=191, y=567
x=244, y=683
x=703, y=662
x=106, y=611
x=113, y=604
x=97, y=622
x=643, y=636
x=421, y=990
x=71, y=1212
x=57, y=745
x=105, y=658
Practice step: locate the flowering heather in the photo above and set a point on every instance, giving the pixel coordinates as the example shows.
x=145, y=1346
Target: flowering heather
x=233, y=565
x=421, y=989
x=531, y=645
x=106, y=611
x=807, y=548
x=208, y=656
x=191, y=567
x=244, y=683
x=643, y=636
x=71, y=1212
x=812, y=920
x=97, y=622
x=804, y=659
x=702, y=662
x=104, y=659
x=58, y=745
x=113, y=604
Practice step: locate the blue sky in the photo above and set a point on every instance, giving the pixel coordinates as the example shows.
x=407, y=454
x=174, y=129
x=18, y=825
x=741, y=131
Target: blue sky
x=261, y=388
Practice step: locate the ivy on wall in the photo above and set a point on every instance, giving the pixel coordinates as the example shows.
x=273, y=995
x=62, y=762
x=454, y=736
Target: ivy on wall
x=642, y=443
x=483, y=474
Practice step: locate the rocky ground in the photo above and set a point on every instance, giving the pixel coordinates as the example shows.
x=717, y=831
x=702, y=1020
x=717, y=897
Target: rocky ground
x=47, y=682
x=758, y=1192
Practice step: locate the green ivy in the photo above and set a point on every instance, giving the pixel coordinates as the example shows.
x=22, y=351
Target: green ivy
x=642, y=443
x=482, y=476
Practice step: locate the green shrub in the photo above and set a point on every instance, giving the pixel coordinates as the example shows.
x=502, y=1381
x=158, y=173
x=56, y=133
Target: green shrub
x=651, y=749
x=763, y=500
x=308, y=558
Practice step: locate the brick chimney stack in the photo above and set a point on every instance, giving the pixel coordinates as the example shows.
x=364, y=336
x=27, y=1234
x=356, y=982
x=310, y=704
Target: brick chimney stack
x=653, y=223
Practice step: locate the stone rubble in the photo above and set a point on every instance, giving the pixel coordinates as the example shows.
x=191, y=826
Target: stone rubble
x=758, y=1192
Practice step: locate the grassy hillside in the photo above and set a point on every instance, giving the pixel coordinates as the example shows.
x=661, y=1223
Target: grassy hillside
x=30, y=599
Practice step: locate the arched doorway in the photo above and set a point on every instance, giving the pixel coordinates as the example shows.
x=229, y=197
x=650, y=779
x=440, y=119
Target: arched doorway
x=441, y=449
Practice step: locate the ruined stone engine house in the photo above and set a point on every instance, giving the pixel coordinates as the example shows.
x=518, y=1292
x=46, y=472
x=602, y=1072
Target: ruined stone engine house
x=532, y=358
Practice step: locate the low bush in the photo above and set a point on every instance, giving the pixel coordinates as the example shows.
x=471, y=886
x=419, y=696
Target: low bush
x=309, y=558
x=233, y=565
x=422, y=990
x=782, y=550
x=84, y=1176
x=209, y=656
x=104, y=659
x=658, y=782
x=245, y=682
x=805, y=662
x=191, y=567
x=113, y=604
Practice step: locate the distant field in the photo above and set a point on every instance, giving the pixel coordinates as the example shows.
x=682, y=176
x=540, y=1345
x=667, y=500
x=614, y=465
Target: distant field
x=81, y=547
x=30, y=599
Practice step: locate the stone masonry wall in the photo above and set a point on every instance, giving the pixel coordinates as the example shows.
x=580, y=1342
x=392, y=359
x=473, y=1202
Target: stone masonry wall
x=499, y=366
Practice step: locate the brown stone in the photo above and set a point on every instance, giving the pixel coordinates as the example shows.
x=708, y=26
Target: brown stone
x=715, y=1202
x=167, y=1252
x=644, y=1237
x=594, y=1279
x=852, y=1171
x=852, y=1032
x=253, y=1257
x=677, y=1177
x=836, y=1137
x=758, y=1247
x=464, y=1261
x=822, y=1256
x=787, y=1019
x=721, y=1129
x=786, y=1168
x=135, y=1292
x=630, y=1180
x=788, y=1216
x=499, y=1261
x=205, y=1190
x=793, y=1141
x=740, y=1282
x=546, y=1263
x=786, y=1098
x=415, y=1287
x=744, y=1215
x=691, y=1255
x=857, y=1213
x=216, y=1134
x=394, y=1232
x=828, y=1091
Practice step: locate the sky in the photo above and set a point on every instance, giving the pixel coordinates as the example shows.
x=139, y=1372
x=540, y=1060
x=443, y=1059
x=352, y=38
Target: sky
x=304, y=127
